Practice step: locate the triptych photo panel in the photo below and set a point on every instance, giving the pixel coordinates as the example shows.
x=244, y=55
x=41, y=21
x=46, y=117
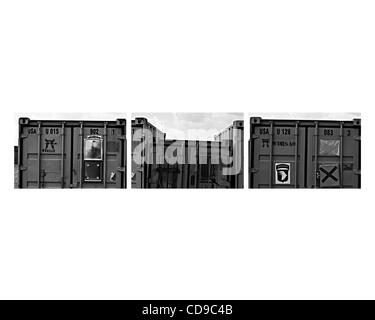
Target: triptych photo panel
x=188, y=151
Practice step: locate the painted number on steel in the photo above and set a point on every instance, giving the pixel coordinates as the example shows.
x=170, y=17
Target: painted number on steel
x=328, y=132
x=283, y=131
x=279, y=131
x=94, y=131
x=282, y=173
x=52, y=131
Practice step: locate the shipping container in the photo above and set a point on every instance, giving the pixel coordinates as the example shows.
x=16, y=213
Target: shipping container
x=71, y=154
x=140, y=129
x=15, y=166
x=234, y=135
x=183, y=163
x=304, y=153
x=15, y=155
x=203, y=172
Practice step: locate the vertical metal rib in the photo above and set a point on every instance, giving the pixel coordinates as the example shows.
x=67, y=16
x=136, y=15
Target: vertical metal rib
x=20, y=158
x=197, y=164
x=123, y=164
x=143, y=167
x=296, y=157
x=39, y=151
x=271, y=154
x=81, y=156
x=341, y=155
x=182, y=165
x=62, y=153
x=105, y=156
x=316, y=153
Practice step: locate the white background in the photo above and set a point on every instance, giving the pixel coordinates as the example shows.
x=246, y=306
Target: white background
x=131, y=56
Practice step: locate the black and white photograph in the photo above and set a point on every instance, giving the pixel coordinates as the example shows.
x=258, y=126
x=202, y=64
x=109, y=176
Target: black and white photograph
x=198, y=159
x=70, y=151
x=187, y=150
x=305, y=150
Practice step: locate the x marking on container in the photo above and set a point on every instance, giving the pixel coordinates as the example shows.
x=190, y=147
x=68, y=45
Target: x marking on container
x=329, y=174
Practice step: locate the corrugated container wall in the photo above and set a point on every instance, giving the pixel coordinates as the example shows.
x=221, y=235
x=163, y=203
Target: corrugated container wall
x=140, y=128
x=235, y=136
x=195, y=168
x=304, y=154
x=72, y=154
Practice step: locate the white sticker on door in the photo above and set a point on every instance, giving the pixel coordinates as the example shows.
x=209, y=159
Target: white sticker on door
x=282, y=173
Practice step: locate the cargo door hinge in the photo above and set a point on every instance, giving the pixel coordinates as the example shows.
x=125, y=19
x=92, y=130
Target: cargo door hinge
x=358, y=172
x=121, y=169
x=254, y=170
x=123, y=137
x=22, y=168
x=255, y=136
x=357, y=138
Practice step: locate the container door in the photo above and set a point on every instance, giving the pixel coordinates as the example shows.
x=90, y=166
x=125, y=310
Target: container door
x=98, y=157
x=220, y=165
x=145, y=158
x=46, y=157
x=115, y=158
x=278, y=156
x=191, y=166
x=337, y=152
x=137, y=156
x=203, y=166
x=238, y=147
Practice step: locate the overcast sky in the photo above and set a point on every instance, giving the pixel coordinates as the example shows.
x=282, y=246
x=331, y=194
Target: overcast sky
x=193, y=126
